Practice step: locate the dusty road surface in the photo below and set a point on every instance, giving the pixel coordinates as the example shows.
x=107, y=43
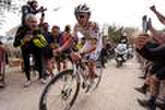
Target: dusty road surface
x=116, y=91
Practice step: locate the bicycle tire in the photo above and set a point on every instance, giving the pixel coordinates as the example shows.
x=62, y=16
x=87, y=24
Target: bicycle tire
x=42, y=104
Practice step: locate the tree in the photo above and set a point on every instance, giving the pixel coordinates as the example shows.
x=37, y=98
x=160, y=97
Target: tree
x=9, y=6
x=114, y=33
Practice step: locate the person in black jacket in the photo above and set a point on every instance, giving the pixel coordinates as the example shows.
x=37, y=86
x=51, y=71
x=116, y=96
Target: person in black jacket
x=31, y=8
x=24, y=39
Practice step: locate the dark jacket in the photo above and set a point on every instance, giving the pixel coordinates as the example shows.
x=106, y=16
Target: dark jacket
x=153, y=52
x=20, y=34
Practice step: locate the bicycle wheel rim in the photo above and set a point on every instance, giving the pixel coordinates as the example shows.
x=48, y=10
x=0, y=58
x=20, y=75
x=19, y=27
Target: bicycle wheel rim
x=45, y=105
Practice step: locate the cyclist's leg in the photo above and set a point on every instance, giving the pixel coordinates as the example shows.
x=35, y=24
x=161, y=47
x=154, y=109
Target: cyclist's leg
x=92, y=68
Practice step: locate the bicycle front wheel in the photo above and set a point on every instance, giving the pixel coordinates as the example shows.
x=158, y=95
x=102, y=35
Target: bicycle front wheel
x=61, y=92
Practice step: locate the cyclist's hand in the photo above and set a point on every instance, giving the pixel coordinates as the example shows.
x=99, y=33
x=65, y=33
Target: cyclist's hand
x=75, y=56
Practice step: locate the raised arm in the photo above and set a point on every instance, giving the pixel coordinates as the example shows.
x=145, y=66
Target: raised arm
x=158, y=14
x=158, y=36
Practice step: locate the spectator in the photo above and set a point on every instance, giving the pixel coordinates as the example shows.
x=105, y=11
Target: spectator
x=158, y=36
x=31, y=41
x=64, y=49
x=31, y=8
x=53, y=42
x=3, y=62
x=153, y=52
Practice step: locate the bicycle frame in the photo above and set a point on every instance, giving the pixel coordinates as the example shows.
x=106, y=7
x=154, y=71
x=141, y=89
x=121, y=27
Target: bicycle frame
x=78, y=71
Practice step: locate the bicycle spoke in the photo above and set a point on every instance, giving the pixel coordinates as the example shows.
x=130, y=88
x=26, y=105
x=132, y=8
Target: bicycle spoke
x=61, y=93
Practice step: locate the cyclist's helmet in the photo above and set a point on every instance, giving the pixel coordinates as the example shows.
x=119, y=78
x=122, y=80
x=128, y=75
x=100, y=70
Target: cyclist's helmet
x=82, y=9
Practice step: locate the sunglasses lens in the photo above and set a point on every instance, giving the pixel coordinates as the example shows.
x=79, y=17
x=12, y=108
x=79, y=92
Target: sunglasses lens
x=81, y=16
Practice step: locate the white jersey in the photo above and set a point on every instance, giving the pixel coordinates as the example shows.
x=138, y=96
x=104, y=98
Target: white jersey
x=91, y=31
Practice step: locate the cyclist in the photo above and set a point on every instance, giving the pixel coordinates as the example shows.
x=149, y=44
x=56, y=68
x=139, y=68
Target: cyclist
x=90, y=30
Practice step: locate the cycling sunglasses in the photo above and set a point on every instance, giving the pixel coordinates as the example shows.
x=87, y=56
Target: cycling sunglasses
x=81, y=16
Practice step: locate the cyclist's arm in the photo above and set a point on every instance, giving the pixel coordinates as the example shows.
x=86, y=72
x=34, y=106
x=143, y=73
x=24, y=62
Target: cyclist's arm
x=89, y=50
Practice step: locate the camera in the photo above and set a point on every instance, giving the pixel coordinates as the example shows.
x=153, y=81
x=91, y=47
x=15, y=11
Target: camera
x=42, y=9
